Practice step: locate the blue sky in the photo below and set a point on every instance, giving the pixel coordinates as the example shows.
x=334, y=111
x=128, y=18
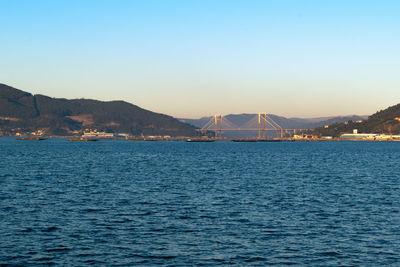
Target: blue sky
x=196, y=58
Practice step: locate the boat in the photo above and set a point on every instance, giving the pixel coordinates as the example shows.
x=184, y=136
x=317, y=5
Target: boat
x=244, y=140
x=147, y=139
x=32, y=138
x=199, y=140
x=83, y=139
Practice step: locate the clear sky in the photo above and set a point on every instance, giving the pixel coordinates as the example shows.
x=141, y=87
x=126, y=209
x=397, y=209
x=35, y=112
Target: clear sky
x=193, y=58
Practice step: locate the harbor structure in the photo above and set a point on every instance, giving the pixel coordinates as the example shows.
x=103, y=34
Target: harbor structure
x=96, y=134
x=368, y=136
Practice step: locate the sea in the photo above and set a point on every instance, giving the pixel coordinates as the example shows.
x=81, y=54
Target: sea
x=130, y=203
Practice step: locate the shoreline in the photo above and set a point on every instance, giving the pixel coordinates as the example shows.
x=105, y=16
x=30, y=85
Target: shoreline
x=197, y=140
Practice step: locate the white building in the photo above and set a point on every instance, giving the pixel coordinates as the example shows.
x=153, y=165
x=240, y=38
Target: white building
x=369, y=136
x=358, y=136
x=92, y=134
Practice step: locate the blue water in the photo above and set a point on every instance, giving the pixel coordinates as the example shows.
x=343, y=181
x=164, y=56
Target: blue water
x=178, y=203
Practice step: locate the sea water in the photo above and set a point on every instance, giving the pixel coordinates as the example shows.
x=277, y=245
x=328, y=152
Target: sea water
x=178, y=203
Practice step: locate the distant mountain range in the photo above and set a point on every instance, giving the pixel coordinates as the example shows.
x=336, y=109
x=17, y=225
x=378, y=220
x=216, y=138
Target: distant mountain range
x=385, y=121
x=23, y=112
x=286, y=123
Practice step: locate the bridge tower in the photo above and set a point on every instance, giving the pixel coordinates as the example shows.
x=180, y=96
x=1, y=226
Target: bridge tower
x=262, y=125
x=218, y=125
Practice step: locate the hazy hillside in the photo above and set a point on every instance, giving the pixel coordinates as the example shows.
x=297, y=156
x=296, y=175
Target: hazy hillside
x=384, y=121
x=27, y=112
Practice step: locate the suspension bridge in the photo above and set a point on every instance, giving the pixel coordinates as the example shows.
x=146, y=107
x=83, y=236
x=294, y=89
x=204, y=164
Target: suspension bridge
x=261, y=123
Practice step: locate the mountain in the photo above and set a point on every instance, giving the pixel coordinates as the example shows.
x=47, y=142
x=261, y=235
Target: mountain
x=384, y=121
x=23, y=112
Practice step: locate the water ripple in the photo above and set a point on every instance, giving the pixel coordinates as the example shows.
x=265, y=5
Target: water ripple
x=177, y=203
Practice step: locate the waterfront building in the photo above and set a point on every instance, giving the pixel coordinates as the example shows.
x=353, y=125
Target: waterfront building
x=97, y=134
x=358, y=136
x=369, y=136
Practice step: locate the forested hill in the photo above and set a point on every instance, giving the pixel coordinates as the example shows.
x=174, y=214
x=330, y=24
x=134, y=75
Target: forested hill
x=22, y=111
x=384, y=121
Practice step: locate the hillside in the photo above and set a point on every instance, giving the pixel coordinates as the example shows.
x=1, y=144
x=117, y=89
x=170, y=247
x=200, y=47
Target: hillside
x=25, y=112
x=384, y=121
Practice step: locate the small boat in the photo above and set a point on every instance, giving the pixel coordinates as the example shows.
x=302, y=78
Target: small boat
x=32, y=138
x=199, y=140
x=244, y=140
x=160, y=139
x=83, y=139
x=269, y=140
